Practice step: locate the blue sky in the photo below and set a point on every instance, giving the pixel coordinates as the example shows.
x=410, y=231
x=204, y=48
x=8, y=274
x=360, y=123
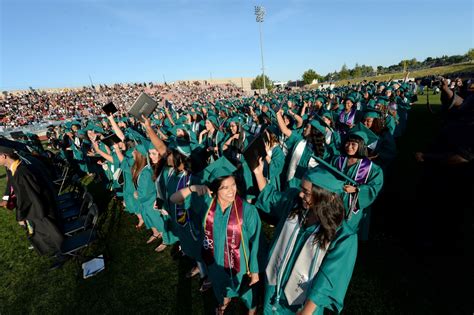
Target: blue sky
x=59, y=43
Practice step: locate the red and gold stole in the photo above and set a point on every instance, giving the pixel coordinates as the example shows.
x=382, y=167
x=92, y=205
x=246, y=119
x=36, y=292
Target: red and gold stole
x=233, y=236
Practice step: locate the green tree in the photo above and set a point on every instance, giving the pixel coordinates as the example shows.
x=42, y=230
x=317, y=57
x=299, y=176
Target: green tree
x=344, y=73
x=257, y=83
x=470, y=54
x=357, y=71
x=310, y=75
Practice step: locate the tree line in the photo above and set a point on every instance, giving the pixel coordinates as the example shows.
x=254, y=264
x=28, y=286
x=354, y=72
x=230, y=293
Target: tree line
x=364, y=71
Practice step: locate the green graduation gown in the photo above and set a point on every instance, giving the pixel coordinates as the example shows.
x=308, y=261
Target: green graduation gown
x=368, y=192
x=330, y=283
x=184, y=227
x=223, y=283
x=131, y=204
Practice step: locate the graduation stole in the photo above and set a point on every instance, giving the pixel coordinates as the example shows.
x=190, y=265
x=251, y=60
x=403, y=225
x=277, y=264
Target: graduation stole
x=306, y=266
x=213, y=142
x=233, y=236
x=361, y=176
x=182, y=216
x=299, y=158
x=350, y=118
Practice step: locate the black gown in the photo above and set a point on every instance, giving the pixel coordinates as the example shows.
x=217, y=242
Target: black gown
x=36, y=203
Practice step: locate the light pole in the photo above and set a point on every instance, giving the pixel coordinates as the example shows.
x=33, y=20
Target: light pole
x=259, y=14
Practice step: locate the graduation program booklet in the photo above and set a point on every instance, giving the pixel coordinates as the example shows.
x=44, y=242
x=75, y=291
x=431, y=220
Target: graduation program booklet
x=255, y=151
x=110, y=140
x=144, y=105
x=92, y=267
x=109, y=109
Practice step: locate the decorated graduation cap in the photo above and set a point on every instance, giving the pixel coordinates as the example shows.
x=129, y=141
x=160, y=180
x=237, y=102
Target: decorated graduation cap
x=321, y=176
x=180, y=145
x=222, y=167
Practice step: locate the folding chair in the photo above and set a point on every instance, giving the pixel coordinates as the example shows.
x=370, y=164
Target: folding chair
x=76, y=242
x=72, y=210
x=81, y=223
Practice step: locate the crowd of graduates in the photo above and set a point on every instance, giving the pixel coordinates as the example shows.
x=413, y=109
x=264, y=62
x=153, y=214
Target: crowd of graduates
x=186, y=177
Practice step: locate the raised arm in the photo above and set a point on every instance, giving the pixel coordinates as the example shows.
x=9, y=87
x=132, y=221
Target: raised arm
x=281, y=123
x=118, y=152
x=116, y=128
x=298, y=119
x=103, y=154
x=159, y=145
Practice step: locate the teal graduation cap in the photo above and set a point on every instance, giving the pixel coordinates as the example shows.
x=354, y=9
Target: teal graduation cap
x=222, y=167
x=364, y=133
x=320, y=176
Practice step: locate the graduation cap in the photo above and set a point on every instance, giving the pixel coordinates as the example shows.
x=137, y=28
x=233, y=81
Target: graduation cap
x=372, y=113
x=181, y=145
x=222, y=167
x=109, y=109
x=143, y=146
x=318, y=124
x=110, y=140
x=322, y=177
x=17, y=135
x=333, y=170
x=255, y=150
x=8, y=146
x=361, y=131
x=143, y=105
x=213, y=120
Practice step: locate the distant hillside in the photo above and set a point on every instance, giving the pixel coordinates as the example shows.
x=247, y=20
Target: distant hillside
x=443, y=71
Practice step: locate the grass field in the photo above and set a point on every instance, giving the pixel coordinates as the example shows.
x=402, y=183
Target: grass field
x=388, y=278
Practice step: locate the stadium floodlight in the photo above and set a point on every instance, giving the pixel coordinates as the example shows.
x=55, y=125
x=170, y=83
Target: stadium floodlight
x=259, y=15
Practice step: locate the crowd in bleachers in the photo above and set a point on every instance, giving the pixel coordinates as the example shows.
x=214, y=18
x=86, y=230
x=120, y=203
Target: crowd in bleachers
x=27, y=107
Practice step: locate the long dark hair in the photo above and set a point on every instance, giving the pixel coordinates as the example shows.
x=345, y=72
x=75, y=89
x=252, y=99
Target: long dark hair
x=178, y=159
x=317, y=141
x=378, y=126
x=157, y=168
x=238, y=143
x=329, y=211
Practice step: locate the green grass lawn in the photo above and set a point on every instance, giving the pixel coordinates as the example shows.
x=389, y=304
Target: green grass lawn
x=387, y=279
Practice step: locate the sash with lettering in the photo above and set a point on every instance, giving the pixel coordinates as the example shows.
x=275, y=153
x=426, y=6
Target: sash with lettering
x=233, y=237
x=361, y=176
